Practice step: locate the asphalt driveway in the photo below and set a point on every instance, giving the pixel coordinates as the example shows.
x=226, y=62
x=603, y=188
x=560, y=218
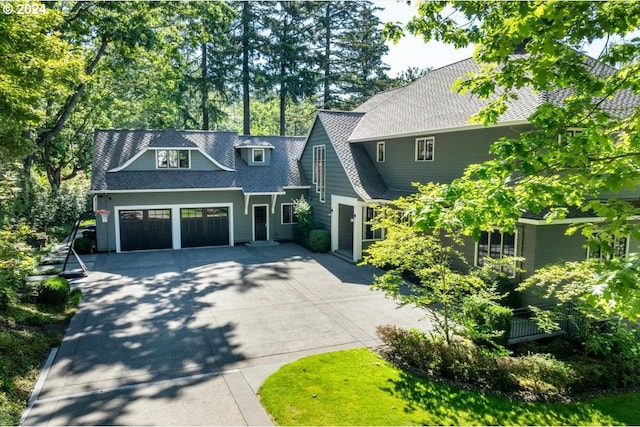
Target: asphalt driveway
x=187, y=337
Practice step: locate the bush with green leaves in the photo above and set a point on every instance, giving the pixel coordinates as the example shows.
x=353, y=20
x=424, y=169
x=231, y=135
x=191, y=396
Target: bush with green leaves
x=485, y=322
x=458, y=360
x=54, y=291
x=304, y=224
x=532, y=374
x=320, y=240
x=16, y=261
x=83, y=245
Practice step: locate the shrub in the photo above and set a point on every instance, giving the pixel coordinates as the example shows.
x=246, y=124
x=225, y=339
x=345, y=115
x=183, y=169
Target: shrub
x=319, y=240
x=542, y=373
x=304, y=224
x=412, y=346
x=54, y=291
x=16, y=262
x=83, y=245
x=486, y=323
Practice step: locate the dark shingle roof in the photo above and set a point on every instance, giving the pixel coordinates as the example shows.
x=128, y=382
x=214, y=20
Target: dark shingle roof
x=377, y=99
x=113, y=148
x=429, y=104
x=356, y=162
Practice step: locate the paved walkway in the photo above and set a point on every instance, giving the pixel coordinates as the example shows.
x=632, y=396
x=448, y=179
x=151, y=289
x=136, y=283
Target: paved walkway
x=187, y=337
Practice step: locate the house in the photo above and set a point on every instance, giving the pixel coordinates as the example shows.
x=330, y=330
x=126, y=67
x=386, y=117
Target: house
x=177, y=189
x=421, y=133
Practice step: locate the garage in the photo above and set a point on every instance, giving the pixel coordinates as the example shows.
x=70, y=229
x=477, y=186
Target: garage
x=204, y=227
x=142, y=229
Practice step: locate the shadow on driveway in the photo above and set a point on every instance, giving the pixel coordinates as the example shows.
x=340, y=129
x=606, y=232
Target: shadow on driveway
x=186, y=337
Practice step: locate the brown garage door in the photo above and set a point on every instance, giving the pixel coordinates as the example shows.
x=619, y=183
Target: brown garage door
x=142, y=229
x=204, y=227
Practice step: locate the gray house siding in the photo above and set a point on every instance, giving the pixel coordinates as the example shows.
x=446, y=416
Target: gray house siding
x=242, y=223
x=337, y=182
x=453, y=152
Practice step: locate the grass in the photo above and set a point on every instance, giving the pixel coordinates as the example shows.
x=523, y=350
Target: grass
x=358, y=387
x=27, y=333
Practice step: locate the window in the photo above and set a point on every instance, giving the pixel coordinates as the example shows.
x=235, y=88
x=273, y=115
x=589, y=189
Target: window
x=424, y=149
x=159, y=213
x=288, y=214
x=611, y=247
x=380, y=154
x=172, y=159
x=258, y=155
x=319, y=170
x=369, y=232
x=496, y=244
x=570, y=133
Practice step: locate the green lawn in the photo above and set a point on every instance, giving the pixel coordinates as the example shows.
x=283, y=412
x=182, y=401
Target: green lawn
x=358, y=387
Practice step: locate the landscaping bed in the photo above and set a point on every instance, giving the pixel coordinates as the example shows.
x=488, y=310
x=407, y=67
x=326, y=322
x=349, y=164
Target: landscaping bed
x=359, y=387
x=28, y=331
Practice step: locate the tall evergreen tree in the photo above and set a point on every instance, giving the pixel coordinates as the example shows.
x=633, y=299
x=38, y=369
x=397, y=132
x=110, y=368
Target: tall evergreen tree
x=360, y=48
x=289, y=66
x=350, y=50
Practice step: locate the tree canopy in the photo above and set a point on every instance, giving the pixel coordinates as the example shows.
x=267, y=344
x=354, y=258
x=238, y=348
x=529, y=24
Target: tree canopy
x=68, y=68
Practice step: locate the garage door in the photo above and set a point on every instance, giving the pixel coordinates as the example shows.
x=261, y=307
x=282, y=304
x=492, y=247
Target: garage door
x=204, y=227
x=142, y=229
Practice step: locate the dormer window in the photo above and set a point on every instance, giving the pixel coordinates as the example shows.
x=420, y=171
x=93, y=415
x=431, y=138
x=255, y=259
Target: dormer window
x=258, y=155
x=172, y=159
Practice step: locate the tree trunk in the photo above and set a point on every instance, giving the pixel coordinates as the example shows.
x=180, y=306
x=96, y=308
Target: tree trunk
x=205, y=89
x=246, y=106
x=63, y=115
x=283, y=98
x=326, y=104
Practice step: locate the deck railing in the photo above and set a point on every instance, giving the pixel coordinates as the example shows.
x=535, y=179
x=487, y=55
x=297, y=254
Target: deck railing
x=523, y=324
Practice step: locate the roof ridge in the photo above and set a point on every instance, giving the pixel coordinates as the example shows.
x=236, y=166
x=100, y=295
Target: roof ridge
x=343, y=112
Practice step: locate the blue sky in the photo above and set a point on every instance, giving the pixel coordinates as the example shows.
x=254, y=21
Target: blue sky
x=414, y=52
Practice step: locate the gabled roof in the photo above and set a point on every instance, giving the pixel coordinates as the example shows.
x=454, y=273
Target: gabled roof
x=356, y=162
x=377, y=99
x=429, y=105
x=254, y=142
x=114, y=148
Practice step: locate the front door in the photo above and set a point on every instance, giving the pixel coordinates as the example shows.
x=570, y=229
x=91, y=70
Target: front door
x=260, y=230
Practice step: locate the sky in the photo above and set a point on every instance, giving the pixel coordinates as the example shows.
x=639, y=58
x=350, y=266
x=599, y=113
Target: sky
x=413, y=51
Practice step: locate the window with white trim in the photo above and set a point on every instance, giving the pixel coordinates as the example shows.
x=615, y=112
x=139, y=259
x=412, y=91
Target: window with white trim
x=425, y=148
x=380, y=151
x=611, y=247
x=320, y=170
x=172, y=159
x=258, y=155
x=496, y=244
x=368, y=232
x=288, y=214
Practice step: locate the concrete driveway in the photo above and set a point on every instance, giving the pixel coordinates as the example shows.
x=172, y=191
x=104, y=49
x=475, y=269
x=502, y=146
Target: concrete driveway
x=187, y=337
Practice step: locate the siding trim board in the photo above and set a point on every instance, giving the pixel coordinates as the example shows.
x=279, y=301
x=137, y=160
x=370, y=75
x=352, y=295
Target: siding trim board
x=168, y=190
x=567, y=221
x=441, y=130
